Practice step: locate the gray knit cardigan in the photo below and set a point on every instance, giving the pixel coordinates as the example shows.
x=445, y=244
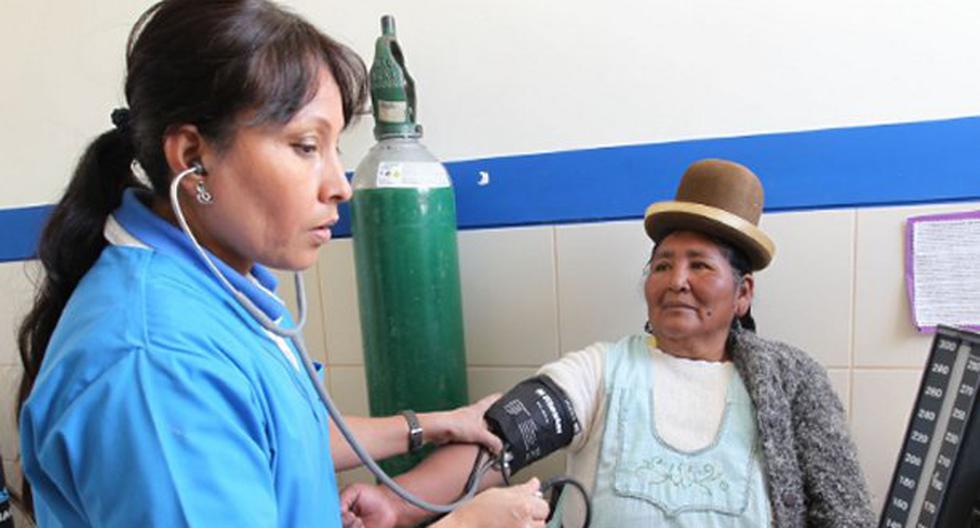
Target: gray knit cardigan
x=813, y=474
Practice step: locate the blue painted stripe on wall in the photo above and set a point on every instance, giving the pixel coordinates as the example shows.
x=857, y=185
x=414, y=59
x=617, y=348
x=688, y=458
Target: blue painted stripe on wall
x=19, y=230
x=924, y=162
x=908, y=163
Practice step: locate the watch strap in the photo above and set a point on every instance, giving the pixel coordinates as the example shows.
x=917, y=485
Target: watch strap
x=414, y=430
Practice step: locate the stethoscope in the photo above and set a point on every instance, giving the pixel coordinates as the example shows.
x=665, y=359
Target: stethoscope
x=295, y=335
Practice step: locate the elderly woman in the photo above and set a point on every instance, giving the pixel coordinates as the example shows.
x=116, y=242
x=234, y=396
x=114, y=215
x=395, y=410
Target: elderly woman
x=701, y=422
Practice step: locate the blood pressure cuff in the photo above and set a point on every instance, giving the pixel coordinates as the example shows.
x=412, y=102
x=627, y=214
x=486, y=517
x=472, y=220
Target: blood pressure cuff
x=533, y=419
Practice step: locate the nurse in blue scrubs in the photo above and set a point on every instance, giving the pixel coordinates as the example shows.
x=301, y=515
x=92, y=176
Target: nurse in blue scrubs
x=150, y=396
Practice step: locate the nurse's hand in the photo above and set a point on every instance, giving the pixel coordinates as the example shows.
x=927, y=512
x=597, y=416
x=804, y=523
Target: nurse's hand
x=464, y=425
x=518, y=506
x=367, y=506
x=521, y=506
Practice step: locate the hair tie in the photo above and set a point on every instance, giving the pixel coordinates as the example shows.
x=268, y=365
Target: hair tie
x=120, y=118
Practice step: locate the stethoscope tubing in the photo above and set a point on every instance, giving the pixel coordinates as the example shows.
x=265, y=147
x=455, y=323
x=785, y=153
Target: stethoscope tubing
x=295, y=335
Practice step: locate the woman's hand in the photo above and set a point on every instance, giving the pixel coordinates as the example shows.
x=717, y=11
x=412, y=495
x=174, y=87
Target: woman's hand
x=464, y=425
x=518, y=506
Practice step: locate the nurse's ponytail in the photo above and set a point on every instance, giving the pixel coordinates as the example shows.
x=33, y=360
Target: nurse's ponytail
x=72, y=238
x=69, y=245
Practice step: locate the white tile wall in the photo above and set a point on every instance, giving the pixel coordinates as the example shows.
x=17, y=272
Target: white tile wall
x=17, y=291
x=488, y=380
x=9, y=380
x=840, y=379
x=313, y=331
x=883, y=331
x=341, y=321
x=805, y=296
x=508, y=288
x=11, y=471
x=600, y=282
x=883, y=400
x=348, y=388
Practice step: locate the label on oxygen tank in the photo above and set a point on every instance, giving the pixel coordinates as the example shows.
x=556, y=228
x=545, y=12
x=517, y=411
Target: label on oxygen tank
x=411, y=174
x=392, y=111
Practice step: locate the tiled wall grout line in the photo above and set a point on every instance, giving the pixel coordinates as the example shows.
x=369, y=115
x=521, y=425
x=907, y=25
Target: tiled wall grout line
x=468, y=366
x=888, y=368
x=323, y=313
x=853, y=329
x=557, y=284
x=511, y=366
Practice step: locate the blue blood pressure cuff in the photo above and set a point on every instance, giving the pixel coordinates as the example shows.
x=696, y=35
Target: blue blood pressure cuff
x=533, y=419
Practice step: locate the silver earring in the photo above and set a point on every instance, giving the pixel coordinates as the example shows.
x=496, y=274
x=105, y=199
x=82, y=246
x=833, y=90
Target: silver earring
x=204, y=197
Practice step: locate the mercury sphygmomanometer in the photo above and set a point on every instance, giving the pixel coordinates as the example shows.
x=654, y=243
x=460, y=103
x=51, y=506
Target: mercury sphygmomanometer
x=526, y=438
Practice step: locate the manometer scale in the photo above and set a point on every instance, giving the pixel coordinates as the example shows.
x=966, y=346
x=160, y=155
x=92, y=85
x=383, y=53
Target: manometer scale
x=932, y=457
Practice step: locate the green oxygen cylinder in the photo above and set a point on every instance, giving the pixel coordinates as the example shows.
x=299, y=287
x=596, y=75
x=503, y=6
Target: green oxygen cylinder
x=403, y=223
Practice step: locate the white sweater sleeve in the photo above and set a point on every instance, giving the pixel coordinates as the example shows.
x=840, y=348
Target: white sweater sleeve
x=579, y=374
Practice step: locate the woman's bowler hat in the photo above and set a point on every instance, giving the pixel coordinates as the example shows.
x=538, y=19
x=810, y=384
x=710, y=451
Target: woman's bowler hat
x=719, y=198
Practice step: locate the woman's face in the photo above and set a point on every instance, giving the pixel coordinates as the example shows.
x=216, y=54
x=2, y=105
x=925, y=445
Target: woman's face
x=277, y=187
x=691, y=291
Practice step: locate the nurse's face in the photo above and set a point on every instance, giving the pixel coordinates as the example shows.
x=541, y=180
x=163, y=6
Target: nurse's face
x=277, y=187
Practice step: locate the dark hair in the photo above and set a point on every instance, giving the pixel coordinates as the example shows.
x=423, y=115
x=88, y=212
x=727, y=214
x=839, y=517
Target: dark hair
x=740, y=268
x=200, y=62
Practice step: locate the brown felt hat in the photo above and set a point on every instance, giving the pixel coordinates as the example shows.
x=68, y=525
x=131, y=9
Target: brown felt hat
x=719, y=198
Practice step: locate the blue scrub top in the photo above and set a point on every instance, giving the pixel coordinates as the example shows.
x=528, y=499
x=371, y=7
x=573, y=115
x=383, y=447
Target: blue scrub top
x=161, y=402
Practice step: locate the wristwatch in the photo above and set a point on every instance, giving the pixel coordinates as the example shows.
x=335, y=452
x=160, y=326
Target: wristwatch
x=414, y=431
